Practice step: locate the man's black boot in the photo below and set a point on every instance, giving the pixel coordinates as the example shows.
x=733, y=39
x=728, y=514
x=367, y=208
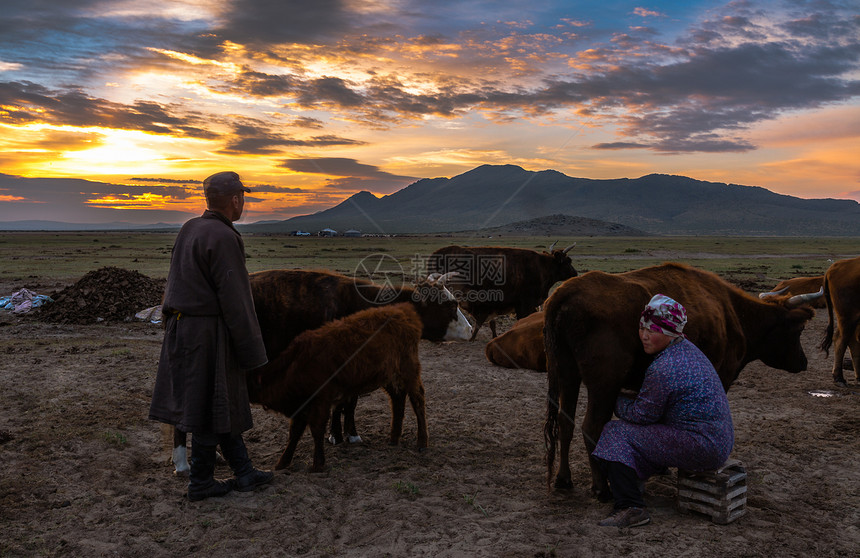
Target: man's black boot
x=201, y=477
x=247, y=477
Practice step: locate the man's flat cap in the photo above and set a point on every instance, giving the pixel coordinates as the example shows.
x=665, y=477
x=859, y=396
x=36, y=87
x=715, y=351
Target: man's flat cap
x=223, y=183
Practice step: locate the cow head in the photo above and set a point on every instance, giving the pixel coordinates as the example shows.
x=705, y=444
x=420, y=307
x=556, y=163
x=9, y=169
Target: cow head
x=561, y=263
x=440, y=313
x=781, y=347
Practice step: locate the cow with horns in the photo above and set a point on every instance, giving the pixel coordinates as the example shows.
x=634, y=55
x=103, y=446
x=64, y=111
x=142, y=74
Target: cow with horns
x=799, y=286
x=497, y=280
x=842, y=295
x=590, y=336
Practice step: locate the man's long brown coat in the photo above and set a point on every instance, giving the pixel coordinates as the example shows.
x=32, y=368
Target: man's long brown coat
x=211, y=332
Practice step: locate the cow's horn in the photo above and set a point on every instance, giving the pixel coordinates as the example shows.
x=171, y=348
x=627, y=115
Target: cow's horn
x=551, y=246
x=806, y=297
x=442, y=279
x=568, y=249
x=773, y=293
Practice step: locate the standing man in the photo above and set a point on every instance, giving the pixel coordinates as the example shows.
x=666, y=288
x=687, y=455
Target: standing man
x=211, y=339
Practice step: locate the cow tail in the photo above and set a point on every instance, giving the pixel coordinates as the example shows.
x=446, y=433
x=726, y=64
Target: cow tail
x=828, y=333
x=550, y=428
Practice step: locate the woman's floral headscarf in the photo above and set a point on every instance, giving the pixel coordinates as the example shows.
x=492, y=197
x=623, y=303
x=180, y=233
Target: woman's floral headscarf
x=664, y=315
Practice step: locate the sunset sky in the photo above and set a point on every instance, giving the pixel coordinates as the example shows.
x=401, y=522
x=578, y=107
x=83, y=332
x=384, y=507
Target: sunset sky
x=312, y=101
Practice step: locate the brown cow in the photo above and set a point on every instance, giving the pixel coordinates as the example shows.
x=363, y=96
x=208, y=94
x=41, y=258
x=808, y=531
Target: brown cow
x=496, y=280
x=521, y=346
x=590, y=335
x=291, y=301
x=797, y=286
x=842, y=295
x=368, y=350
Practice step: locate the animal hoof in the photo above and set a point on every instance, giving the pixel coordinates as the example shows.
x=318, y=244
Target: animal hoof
x=334, y=441
x=354, y=439
x=563, y=484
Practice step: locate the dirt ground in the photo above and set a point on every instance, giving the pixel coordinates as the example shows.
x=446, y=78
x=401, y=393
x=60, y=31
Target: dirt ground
x=84, y=473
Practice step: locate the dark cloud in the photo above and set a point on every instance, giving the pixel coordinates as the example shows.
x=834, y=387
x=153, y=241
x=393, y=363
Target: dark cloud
x=278, y=189
x=261, y=84
x=257, y=138
x=353, y=175
x=307, y=122
x=620, y=145
x=263, y=22
x=822, y=26
x=73, y=200
x=335, y=166
x=31, y=102
x=166, y=180
x=713, y=91
x=330, y=90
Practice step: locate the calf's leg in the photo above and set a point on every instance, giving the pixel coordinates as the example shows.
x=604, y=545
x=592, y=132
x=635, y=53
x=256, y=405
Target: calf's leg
x=347, y=411
x=335, y=432
x=398, y=408
x=317, y=418
x=297, y=428
x=417, y=400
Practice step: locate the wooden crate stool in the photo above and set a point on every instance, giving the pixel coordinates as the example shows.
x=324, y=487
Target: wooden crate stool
x=721, y=493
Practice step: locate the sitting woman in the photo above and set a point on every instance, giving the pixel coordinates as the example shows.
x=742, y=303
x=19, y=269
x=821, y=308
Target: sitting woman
x=679, y=418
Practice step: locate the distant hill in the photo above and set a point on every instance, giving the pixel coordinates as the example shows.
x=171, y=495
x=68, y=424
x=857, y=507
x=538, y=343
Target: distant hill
x=34, y=225
x=560, y=225
x=495, y=196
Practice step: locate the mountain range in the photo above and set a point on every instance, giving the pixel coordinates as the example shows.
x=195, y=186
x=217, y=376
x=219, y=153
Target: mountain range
x=507, y=198
x=497, y=195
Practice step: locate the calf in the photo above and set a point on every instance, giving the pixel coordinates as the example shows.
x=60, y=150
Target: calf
x=331, y=365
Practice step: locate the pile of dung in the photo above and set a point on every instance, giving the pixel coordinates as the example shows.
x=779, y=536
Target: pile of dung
x=109, y=294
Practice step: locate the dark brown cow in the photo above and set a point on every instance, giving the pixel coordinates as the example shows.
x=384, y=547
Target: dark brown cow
x=521, y=346
x=368, y=350
x=842, y=295
x=590, y=335
x=496, y=280
x=291, y=301
x=798, y=286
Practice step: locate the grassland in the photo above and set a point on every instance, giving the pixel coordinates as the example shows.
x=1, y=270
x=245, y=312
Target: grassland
x=63, y=257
